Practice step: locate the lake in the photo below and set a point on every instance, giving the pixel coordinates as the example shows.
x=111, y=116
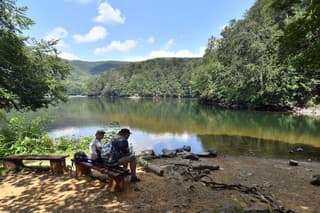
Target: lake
x=172, y=123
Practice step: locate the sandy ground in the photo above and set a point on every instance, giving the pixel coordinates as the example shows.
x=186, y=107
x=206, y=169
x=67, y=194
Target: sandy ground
x=241, y=182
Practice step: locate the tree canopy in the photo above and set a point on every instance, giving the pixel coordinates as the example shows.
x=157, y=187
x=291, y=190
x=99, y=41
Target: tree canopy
x=271, y=57
x=163, y=77
x=31, y=72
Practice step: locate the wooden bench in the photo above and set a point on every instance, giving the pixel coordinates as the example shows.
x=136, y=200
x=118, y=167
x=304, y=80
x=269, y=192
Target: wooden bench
x=15, y=162
x=116, y=174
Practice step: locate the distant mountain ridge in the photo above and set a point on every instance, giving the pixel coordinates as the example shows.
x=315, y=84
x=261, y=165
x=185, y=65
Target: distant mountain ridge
x=95, y=67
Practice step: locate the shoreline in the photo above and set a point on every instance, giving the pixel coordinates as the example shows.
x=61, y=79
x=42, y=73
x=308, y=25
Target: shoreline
x=313, y=112
x=178, y=190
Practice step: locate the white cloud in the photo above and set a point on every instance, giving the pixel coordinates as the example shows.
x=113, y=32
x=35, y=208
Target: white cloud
x=95, y=34
x=82, y=1
x=107, y=14
x=168, y=54
x=151, y=40
x=169, y=44
x=68, y=56
x=57, y=33
x=202, y=50
x=165, y=53
x=116, y=46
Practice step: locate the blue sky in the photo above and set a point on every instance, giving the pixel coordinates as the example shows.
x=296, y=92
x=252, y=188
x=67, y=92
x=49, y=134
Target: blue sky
x=131, y=30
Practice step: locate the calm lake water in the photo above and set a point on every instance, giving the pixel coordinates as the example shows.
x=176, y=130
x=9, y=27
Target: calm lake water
x=172, y=123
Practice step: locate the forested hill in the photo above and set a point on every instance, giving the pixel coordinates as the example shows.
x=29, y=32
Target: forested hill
x=82, y=71
x=156, y=77
x=96, y=67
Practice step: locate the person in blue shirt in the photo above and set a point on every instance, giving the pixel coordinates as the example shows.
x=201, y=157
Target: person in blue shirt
x=120, y=153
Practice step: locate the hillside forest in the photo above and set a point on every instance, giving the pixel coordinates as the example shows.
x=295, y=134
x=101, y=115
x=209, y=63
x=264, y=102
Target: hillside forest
x=271, y=57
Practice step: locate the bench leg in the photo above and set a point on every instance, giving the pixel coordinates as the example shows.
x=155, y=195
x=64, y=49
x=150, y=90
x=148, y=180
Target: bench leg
x=57, y=166
x=117, y=183
x=82, y=170
x=12, y=165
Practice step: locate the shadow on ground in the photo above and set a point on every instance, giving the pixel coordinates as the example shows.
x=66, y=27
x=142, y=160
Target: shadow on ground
x=38, y=190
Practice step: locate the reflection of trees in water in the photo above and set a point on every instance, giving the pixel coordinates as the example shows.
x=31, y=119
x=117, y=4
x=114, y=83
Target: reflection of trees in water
x=186, y=115
x=246, y=146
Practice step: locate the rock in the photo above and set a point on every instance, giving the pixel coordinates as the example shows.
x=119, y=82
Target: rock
x=299, y=149
x=213, y=152
x=315, y=180
x=293, y=163
x=209, y=154
x=257, y=209
x=191, y=156
x=186, y=148
x=148, y=152
x=252, y=153
x=169, y=153
x=178, y=150
x=228, y=209
x=206, y=171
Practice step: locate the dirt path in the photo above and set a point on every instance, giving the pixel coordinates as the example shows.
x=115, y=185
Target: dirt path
x=176, y=191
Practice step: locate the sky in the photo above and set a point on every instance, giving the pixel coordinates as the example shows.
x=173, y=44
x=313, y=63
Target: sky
x=131, y=30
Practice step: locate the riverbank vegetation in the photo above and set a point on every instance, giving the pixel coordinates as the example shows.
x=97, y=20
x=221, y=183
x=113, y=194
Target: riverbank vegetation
x=271, y=57
x=23, y=135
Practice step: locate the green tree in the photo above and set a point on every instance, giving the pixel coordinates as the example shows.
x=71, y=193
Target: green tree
x=31, y=72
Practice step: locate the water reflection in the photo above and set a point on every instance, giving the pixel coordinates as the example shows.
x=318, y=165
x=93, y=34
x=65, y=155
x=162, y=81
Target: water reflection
x=140, y=140
x=169, y=122
x=248, y=146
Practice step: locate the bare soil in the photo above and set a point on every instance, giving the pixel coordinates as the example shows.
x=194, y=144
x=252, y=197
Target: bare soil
x=241, y=182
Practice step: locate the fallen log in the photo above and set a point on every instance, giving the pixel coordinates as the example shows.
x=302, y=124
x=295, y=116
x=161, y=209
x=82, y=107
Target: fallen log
x=150, y=167
x=199, y=166
x=207, y=154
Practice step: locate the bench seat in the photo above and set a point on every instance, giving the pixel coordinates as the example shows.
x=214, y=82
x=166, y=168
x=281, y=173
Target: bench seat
x=15, y=162
x=116, y=174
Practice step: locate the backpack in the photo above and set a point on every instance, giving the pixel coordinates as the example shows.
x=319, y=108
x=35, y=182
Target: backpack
x=106, y=149
x=80, y=157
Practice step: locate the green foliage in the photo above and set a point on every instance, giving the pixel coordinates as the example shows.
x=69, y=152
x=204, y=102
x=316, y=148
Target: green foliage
x=31, y=73
x=271, y=57
x=42, y=145
x=72, y=146
x=25, y=136
x=158, y=77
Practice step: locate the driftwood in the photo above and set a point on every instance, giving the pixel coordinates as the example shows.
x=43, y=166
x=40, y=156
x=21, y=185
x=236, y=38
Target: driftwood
x=206, y=154
x=151, y=167
x=199, y=166
x=190, y=174
x=253, y=191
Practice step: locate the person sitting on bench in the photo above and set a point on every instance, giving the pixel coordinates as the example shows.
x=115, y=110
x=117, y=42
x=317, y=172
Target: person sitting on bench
x=96, y=147
x=120, y=153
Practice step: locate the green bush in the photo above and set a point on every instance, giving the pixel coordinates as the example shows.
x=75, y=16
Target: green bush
x=70, y=146
x=22, y=135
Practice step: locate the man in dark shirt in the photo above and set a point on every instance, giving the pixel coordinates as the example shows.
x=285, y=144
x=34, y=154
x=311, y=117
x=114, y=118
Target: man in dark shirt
x=120, y=153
